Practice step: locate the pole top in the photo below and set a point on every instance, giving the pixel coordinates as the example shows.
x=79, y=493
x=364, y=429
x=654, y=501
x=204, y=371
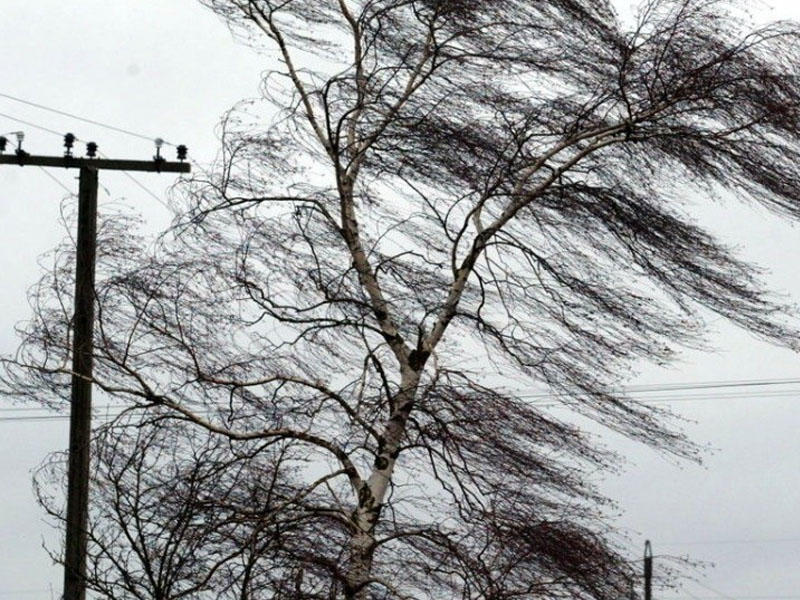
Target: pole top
x=22, y=158
x=648, y=549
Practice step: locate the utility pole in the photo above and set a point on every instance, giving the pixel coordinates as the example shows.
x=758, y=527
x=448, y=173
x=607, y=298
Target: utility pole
x=648, y=570
x=83, y=332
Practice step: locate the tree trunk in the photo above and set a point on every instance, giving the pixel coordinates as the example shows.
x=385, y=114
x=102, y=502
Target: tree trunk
x=360, y=567
x=373, y=491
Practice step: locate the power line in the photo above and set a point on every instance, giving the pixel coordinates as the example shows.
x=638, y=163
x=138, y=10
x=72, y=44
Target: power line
x=118, y=129
x=691, y=597
x=667, y=387
x=57, y=180
x=669, y=399
x=713, y=384
x=146, y=189
x=79, y=118
x=652, y=387
x=717, y=592
x=34, y=125
x=45, y=129
x=141, y=186
x=84, y=119
x=128, y=175
x=751, y=541
x=94, y=122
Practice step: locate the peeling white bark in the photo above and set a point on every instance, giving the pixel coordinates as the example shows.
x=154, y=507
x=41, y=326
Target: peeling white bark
x=373, y=490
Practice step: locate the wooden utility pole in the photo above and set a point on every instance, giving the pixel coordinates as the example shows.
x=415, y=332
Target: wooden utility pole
x=648, y=570
x=80, y=413
x=80, y=427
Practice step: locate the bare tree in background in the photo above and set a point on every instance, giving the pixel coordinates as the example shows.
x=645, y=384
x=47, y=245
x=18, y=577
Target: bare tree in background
x=177, y=513
x=451, y=204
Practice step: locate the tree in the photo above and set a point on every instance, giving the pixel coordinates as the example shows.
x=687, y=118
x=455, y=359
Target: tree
x=453, y=202
x=176, y=513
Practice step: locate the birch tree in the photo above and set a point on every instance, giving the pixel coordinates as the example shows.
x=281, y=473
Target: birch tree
x=176, y=513
x=436, y=210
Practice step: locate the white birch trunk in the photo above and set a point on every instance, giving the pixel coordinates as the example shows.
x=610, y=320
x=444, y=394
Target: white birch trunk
x=373, y=492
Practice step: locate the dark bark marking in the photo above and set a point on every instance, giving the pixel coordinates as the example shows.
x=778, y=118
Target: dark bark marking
x=417, y=358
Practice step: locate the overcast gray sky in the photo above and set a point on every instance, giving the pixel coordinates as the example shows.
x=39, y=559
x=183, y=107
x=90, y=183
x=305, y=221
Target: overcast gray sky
x=169, y=68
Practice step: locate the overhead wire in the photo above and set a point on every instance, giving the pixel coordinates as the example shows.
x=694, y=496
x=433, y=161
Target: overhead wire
x=783, y=540
x=80, y=118
x=559, y=398
x=653, y=387
x=123, y=130
x=717, y=592
x=146, y=189
x=29, y=124
x=58, y=181
x=86, y=120
x=138, y=183
x=142, y=186
x=713, y=384
x=727, y=597
x=683, y=386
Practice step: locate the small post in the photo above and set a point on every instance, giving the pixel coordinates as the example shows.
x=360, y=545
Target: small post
x=81, y=408
x=648, y=570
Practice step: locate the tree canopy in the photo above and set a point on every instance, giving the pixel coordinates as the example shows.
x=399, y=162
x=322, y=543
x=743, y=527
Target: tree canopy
x=435, y=209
